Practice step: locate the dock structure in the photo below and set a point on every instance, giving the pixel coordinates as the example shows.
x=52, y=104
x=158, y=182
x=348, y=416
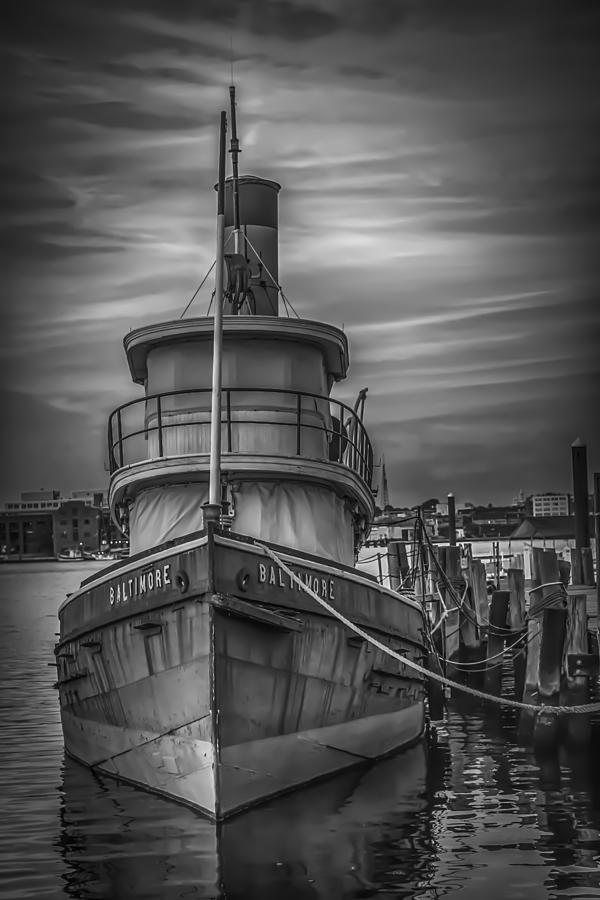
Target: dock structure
x=545, y=627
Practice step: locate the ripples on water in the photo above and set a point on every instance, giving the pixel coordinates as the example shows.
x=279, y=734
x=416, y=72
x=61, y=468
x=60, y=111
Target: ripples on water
x=474, y=816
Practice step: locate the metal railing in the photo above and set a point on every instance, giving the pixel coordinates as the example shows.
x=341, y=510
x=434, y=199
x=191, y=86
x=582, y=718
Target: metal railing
x=264, y=420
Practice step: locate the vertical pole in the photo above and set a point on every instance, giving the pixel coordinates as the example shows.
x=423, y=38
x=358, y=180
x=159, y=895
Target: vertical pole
x=298, y=417
x=120, y=437
x=574, y=683
x=517, y=624
x=159, y=420
x=393, y=566
x=597, y=534
x=495, y=643
x=580, y=554
x=229, y=421
x=111, y=458
x=580, y=493
x=214, y=493
x=452, y=520
x=235, y=150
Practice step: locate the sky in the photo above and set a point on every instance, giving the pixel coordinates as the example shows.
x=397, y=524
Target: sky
x=441, y=200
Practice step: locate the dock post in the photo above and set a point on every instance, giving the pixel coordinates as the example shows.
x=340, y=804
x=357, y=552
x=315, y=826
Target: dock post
x=476, y=600
x=398, y=561
x=450, y=563
x=517, y=625
x=597, y=534
x=516, y=606
x=548, y=605
x=574, y=689
x=495, y=644
x=393, y=567
x=480, y=594
x=581, y=554
x=564, y=571
x=451, y=520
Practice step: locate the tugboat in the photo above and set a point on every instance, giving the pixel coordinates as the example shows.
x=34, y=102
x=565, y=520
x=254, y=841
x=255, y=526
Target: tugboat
x=204, y=667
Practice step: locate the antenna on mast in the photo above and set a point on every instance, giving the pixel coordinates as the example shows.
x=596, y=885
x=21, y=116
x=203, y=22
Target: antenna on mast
x=235, y=151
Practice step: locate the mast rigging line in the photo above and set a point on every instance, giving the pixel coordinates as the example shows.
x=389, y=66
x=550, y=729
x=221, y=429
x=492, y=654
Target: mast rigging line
x=202, y=283
x=286, y=300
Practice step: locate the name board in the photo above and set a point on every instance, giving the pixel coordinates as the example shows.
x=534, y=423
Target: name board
x=273, y=575
x=156, y=579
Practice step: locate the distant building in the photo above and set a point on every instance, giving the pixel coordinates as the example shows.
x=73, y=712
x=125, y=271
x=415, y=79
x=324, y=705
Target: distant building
x=545, y=528
x=51, y=500
x=26, y=534
x=550, y=504
x=44, y=523
x=76, y=525
x=397, y=524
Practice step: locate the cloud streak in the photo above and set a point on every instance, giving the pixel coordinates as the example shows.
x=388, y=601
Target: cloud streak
x=440, y=201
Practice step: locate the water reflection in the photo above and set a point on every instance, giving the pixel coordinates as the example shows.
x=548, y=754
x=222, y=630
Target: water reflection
x=341, y=838
x=478, y=815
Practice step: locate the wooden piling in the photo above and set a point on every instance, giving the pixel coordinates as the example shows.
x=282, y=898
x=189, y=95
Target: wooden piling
x=470, y=632
x=451, y=520
x=475, y=573
x=597, y=534
x=581, y=557
x=516, y=603
x=517, y=624
x=587, y=566
x=548, y=606
x=574, y=688
x=403, y=563
x=495, y=643
x=450, y=563
x=393, y=567
x=564, y=571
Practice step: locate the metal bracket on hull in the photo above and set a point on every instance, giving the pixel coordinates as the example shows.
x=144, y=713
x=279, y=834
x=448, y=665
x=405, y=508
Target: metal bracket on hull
x=244, y=610
x=155, y=627
x=74, y=677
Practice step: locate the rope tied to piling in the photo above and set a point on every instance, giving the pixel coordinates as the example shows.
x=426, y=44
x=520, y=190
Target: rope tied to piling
x=554, y=600
x=582, y=708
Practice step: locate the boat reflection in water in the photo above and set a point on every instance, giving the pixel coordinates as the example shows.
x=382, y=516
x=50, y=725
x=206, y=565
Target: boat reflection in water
x=328, y=840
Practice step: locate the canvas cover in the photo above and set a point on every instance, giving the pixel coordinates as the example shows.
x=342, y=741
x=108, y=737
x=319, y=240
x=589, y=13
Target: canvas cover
x=301, y=516
x=164, y=513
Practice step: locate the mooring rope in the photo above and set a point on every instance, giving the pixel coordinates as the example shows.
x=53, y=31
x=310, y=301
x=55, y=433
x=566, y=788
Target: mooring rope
x=584, y=708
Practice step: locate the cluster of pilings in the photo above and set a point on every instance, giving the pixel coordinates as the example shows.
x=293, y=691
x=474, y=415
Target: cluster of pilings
x=541, y=633
x=528, y=641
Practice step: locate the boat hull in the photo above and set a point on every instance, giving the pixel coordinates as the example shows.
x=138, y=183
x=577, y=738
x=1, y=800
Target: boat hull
x=201, y=672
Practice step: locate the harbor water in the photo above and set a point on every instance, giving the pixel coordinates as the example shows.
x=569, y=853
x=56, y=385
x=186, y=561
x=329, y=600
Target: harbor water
x=470, y=815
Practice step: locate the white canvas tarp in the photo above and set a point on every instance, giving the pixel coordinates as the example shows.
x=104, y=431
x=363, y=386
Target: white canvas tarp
x=302, y=516
x=164, y=513
x=296, y=515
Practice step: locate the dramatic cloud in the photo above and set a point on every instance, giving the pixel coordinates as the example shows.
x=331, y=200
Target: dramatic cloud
x=441, y=201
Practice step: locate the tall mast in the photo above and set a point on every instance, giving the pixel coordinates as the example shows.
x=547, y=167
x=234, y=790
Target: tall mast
x=235, y=151
x=214, y=491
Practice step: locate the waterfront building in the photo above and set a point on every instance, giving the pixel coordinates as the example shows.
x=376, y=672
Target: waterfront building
x=76, y=525
x=550, y=504
x=45, y=523
x=25, y=534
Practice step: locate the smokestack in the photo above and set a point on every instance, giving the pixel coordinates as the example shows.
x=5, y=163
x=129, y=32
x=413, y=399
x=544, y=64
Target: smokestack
x=259, y=223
